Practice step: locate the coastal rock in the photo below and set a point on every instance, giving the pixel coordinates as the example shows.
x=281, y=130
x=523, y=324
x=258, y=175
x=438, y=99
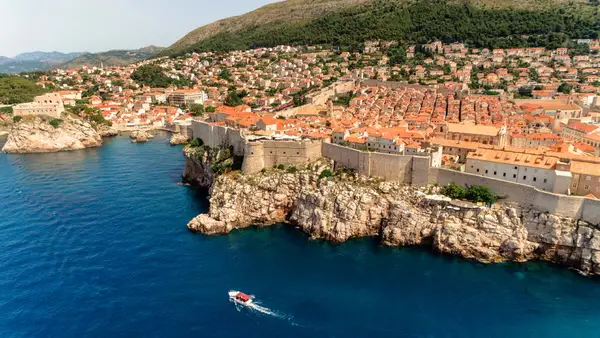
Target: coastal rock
x=37, y=135
x=348, y=206
x=140, y=136
x=177, y=139
x=106, y=131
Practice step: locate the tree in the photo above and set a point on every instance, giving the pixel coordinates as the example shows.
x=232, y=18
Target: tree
x=210, y=109
x=196, y=109
x=397, y=56
x=233, y=99
x=565, y=88
x=525, y=91
x=17, y=118
x=151, y=75
x=225, y=74
x=478, y=193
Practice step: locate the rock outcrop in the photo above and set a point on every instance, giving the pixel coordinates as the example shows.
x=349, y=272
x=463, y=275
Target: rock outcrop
x=140, y=136
x=201, y=163
x=348, y=206
x=37, y=135
x=177, y=139
x=106, y=131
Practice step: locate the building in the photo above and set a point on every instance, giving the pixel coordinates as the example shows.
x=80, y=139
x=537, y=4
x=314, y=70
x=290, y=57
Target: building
x=187, y=96
x=537, y=170
x=586, y=178
x=476, y=133
x=48, y=104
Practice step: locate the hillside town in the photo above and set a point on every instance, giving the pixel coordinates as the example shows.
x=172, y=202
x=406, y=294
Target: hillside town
x=497, y=113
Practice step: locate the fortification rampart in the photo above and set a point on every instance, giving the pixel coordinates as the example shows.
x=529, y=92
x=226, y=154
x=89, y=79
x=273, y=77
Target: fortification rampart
x=416, y=170
x=266, y=154
x=407, y=169
x=572, y=206
x=219, y=136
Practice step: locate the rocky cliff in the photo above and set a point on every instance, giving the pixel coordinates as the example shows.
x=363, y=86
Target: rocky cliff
x=38, y=135
x=347, y=206
x=203, y=163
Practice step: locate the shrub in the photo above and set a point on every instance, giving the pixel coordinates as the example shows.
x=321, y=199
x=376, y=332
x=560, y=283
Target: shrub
x=478, y=193
x=454, y=191
x=197, y=142
x=55, y=122
x=263, y=170
x=281, y=167
x=325, y=173
x=17, y=118
x=292, y=170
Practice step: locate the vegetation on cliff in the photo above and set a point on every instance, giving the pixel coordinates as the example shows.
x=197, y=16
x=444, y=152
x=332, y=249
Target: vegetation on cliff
x=15, y=89
x=496, y=24
x=474, y=193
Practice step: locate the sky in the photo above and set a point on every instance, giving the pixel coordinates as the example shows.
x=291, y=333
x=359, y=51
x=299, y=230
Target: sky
x=97, y=26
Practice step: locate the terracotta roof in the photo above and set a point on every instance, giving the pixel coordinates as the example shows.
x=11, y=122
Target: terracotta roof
x=514, y=158
x=473, y=129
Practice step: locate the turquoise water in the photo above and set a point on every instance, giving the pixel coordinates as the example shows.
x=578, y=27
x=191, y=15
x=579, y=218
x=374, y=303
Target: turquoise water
x=94, y=244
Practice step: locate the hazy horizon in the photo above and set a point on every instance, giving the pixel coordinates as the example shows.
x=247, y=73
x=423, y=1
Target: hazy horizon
x=64, y=25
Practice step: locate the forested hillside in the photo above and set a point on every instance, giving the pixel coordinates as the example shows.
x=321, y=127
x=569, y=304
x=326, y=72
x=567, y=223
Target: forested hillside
x=15, y=89
x=484, y=23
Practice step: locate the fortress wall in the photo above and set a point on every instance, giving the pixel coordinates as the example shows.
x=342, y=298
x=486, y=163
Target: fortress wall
x=391, y=167
x=253, y=158
x=267, y=154
x=571, y=206
x=420, y=170
x=218, y=136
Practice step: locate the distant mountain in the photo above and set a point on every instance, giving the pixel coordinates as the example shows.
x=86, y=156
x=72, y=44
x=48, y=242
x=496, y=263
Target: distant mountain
x=34, y=61
x=41, y=61
x=47, y=56
x=348, y=23
x=111, y=58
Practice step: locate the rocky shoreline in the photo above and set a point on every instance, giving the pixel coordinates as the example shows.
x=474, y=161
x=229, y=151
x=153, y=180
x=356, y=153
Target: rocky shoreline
x=36, y=134
x=348, y=206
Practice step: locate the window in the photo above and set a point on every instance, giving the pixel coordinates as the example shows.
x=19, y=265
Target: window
x=588, y=178
x=586, y=187
x=477, y=170
x=545, y=180
x=516, y=168
x=504, y=175
x=495, y=173
x=535, y=179
x=486, y=171
x=524, y=178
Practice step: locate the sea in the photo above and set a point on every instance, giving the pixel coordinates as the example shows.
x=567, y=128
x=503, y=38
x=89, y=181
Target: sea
x=94, y=243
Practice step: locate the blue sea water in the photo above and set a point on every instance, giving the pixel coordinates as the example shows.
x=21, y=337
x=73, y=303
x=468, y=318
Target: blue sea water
x=94, y=244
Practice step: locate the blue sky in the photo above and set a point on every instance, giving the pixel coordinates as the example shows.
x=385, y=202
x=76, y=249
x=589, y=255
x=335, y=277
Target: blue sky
x=95, y=26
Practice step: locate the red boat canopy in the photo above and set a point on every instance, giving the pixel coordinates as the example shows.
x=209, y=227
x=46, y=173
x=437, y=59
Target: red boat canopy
x=242, y=296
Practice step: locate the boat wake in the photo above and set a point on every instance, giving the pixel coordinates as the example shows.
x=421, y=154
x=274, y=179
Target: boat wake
x=255, y=306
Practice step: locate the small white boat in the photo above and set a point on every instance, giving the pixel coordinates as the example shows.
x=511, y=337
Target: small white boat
x=240, y=297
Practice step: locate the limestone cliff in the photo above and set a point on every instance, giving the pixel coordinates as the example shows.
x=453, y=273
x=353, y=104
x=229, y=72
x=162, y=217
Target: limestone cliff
x=347, y=206
x=140, y=136
x=201, y=164
x=37, y=135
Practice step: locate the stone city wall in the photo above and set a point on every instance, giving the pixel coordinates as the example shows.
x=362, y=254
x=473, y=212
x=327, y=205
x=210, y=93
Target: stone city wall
x=267, y=154
x=218, y=136
x=572, y=206
x=407, y=169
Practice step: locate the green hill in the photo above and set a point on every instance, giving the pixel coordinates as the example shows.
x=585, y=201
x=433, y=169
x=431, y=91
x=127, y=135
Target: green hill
x=16, y=89
x=348, y=23
x=111, y=58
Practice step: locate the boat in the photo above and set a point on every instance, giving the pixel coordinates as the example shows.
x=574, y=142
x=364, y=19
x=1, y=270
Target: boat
x=240, y=297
